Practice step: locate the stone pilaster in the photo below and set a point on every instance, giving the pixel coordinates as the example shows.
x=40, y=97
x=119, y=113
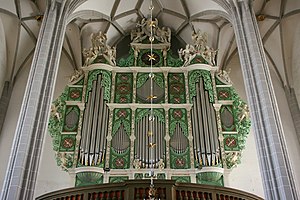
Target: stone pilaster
x=294, y=108
x=275, y=167
x=25, y=155
x=4, y=101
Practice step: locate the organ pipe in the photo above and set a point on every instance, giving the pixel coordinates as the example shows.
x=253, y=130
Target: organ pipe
x=95, y=124
x=204, y=127
x=143, y=152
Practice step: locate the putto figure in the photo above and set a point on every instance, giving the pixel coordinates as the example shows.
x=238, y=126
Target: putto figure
x=144, y=30
x=198, y=48
x=99, y=48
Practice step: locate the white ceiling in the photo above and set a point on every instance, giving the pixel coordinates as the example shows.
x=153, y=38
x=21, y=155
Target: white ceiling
x=279, y=30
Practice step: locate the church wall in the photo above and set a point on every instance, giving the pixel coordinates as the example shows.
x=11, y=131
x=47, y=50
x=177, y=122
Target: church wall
x=292, y=141
x=10, y=123
x=246, y=176
x=2, y=56
x=50, y=176
x=296, y=63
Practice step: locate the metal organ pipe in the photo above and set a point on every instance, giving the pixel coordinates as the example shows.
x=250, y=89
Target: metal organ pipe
x=100, y=125
x=103, y=130
x=210, y=133
x=161, y=141
x=179, y=144
x=93, y=157
x=144, y=146
x=90, y=124
x=204, y=127
x=88, y=129
x=95, y=124
x=215, y=132
x=195, y=136
x=143, y=150
x=156, y=134
x=138, y=140
x=84, y=133
x=205, y=124
x=200, y=123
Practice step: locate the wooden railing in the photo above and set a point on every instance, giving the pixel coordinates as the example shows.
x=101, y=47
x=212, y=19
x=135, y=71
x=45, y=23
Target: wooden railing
x=138, y=190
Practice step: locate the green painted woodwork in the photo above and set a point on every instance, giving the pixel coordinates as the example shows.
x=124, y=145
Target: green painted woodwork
x=122, y=115
x=138, y=176
x=194, y=77
x=119, y=161
x=75, y=94
x=123, y=88
x=105, y=82
x=219, y=82
x=240, y=114
x=198, y=59
x=242, y=126
x=88, y=178
x=210, y=178
x=178, y=115
x=231, y=142
x=232, y=159
x=182, y=160
x=227, y=118
x=181, y=179
x=67, y=143
x=173, y=61
x=80, y=81
x=143, y=77
x=224, y=93
x=142, y=112
x=71, y=118
x=176, y=89
x=161, y=176
x=143, y=58
x=126, y=62
x=65, y=160
x=55, y=125
x=118, y=179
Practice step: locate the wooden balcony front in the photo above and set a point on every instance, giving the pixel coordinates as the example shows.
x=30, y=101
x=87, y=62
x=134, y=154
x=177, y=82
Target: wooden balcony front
x=138, y=190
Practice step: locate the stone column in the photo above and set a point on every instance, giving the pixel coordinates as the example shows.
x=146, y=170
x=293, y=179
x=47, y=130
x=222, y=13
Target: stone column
x=25, y=155
x=275, y=167
x=4, y=101
x=294, y=108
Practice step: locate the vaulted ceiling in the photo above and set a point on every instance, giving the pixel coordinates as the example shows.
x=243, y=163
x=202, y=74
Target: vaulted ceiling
x=278, y=22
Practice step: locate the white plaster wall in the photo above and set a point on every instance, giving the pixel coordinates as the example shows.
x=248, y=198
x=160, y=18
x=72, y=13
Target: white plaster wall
x=50, y=176
x=10, y=123
x=246, y=176
x=290, y=135
x=296, y=62
x=2, y=56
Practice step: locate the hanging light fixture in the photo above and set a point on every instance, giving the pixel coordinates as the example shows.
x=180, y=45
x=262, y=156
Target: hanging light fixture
x=152, y=190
